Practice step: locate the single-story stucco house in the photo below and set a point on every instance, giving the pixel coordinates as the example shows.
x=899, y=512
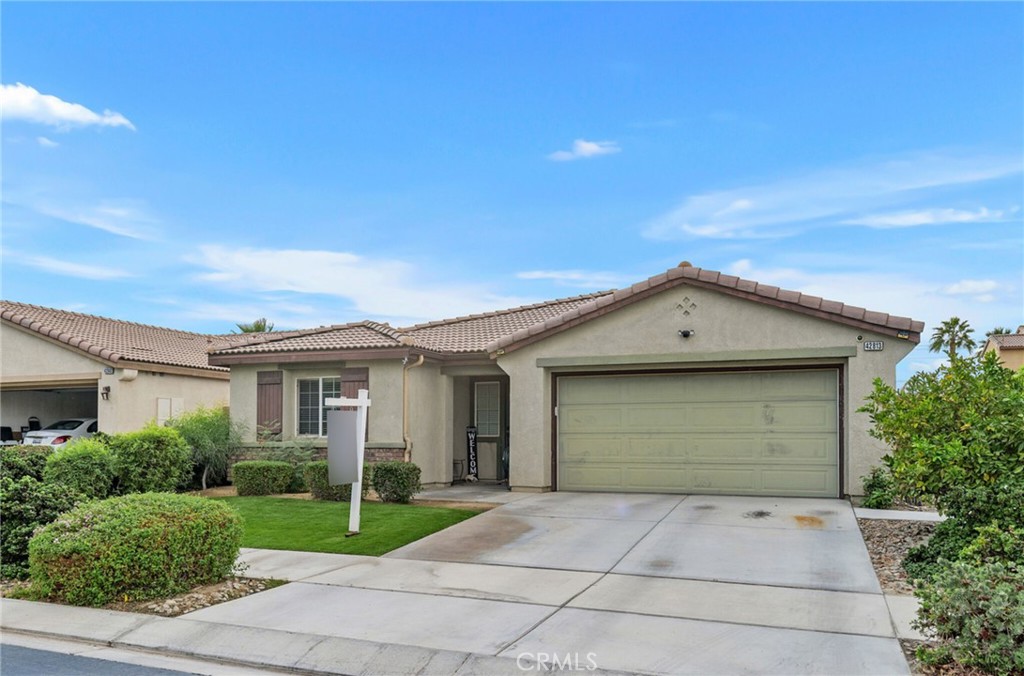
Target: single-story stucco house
x=691, y=381
x=1009, y=347
x=58, y=364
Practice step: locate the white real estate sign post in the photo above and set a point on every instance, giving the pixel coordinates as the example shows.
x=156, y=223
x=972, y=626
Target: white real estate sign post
x=346, y=445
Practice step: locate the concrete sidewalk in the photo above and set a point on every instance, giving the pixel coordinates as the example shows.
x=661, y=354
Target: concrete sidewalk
x=629, y=584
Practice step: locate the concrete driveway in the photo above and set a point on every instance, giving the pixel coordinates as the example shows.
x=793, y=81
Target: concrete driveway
x=637, y=583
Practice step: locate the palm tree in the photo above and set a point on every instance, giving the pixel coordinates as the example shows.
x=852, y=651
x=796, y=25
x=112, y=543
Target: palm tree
x=998, y=331
x=953, y=335
x=261, y=325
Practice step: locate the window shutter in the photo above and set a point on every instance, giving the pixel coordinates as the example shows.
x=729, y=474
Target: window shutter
x=269, y=402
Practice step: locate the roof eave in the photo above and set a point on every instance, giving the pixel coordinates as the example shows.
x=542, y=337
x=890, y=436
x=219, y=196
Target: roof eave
x=661, y=283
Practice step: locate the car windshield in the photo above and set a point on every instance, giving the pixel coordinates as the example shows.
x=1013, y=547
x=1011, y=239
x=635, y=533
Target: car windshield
x=64, y=425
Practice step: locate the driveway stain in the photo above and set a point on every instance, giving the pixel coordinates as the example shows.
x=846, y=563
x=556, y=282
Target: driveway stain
x=804, y=521
x=757, y=514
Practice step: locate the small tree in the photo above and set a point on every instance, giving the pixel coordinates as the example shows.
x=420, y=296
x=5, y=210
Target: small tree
x=951, y=336
x=212, y=436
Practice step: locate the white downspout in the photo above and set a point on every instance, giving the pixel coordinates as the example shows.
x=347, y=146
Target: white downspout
x=405, y=405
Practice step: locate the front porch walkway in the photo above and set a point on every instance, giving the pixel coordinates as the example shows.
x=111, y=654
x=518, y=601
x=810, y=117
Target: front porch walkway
x=475, y=492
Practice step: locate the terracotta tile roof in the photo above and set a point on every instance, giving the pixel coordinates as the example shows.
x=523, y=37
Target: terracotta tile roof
x=356, y=336
x=113, y=340
x=473, y=333
x=711, y=279
x=1009, y=341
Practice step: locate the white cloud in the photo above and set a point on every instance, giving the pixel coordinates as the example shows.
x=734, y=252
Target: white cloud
x=576, y=278
x=789, y=206
x=582, y=149
x=978, y=289
x=68, y=269
x=909, y=219
x=21, y=102
x=127, y=218
x=377, y=288
x=46, y=143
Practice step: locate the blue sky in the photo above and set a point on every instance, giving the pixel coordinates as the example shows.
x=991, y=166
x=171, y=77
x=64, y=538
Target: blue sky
x=195, y=165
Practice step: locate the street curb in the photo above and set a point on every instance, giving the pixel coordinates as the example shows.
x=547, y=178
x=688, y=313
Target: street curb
x=245, y=646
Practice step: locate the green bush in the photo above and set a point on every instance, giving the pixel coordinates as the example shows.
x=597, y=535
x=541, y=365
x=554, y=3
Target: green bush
x=961, y=426
x=86, y=465
x=27, y=504
x=262, y=477
x=977, y=613
x=879, y=489
x=19, y=461
x=396, y=481
x=134, y=547
x=213, y=437
x=316, y=479
x=297, y=454
x=992, y=513
x=150, y=460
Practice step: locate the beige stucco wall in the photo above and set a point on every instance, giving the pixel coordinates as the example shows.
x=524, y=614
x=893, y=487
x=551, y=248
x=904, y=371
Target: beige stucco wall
x=729, y=332
x=26, y=355
x=29, y=360
x=134, y=399
x=385, y=420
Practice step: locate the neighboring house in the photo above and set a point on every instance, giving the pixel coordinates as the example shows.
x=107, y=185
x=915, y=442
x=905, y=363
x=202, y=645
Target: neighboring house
x=689, y=382
x=1009, y=347
x=57, y=364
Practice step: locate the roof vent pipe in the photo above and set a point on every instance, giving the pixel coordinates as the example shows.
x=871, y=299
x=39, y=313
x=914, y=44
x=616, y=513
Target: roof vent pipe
x=405, y=405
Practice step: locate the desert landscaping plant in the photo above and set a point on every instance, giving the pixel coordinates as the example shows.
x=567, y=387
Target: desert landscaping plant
x=879, y=489
x=19, y=461
x=213, y=437
x=134, y=547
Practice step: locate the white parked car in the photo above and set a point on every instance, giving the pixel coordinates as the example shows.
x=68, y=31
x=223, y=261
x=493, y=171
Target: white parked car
x=61, y=432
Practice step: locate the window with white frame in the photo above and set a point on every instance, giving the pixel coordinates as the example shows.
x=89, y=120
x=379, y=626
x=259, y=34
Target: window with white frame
x=488, y=409
x=312, y=414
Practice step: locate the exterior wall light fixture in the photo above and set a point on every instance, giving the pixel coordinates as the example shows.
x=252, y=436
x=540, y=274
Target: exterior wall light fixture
x=686, y=333
x=105, y=392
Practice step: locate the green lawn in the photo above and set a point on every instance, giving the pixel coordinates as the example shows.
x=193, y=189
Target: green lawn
x=319, y=526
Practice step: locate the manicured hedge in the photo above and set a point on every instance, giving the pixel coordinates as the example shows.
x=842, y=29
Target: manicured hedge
x=262, y=477
x=151, y=459
x=396, y=481
x=134, y=547
x=316, y=479
x=86, y=465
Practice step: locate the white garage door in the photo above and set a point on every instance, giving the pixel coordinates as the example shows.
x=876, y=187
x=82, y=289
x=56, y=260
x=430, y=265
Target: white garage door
x=756, y=433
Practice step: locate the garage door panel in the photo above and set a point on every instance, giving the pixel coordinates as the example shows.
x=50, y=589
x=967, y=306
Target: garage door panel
x=646, y=478
x=592, y=448
x=799, y=481
x=819, y=416
x=593, y=477
x=725, y=479
x=798, y=449
x=591, y=419
x=771, y=432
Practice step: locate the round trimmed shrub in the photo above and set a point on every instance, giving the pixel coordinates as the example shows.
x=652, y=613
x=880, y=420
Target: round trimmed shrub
x=152, y=459
x=316, y=475
x=262, y=477
x=135, y=547
x=396, y=481
x=86, y=465
x=27, y=504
